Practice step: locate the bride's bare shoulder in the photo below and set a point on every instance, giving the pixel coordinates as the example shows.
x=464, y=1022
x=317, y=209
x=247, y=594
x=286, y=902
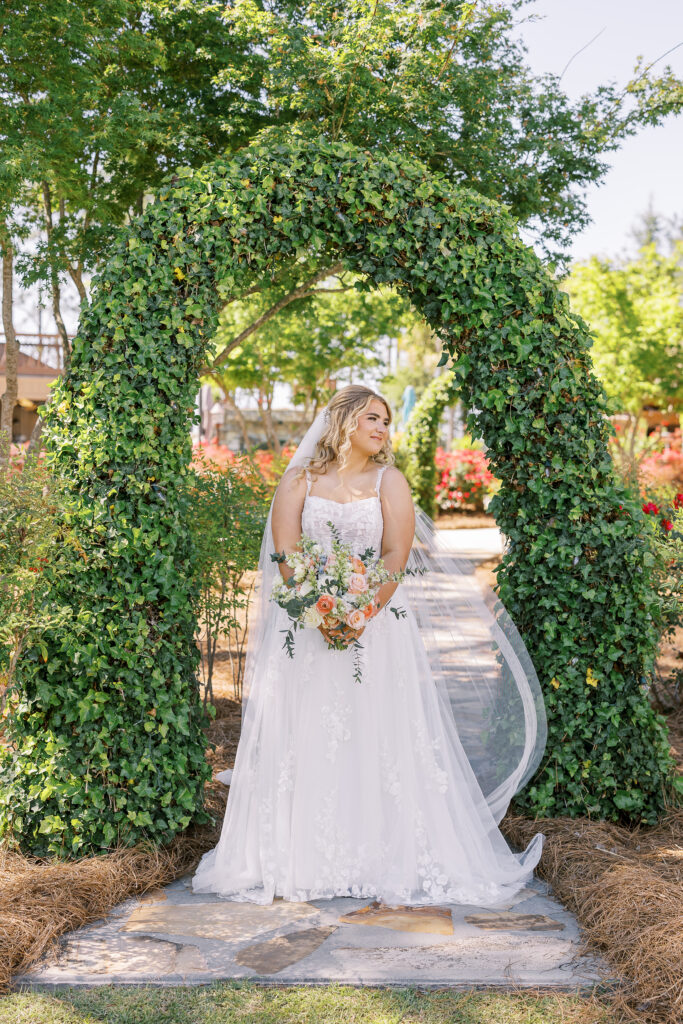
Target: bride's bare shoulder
x=292, y=480
x=395, y=488
x=393, y=477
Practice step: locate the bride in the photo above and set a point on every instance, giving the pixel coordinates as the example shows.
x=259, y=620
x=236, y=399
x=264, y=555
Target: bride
x=391, y=787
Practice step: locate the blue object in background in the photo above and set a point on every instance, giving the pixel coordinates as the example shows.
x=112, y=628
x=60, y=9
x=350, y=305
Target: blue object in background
x=408, y=403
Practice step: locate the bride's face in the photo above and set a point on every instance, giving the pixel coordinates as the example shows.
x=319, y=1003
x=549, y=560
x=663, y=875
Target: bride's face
x=372, y=429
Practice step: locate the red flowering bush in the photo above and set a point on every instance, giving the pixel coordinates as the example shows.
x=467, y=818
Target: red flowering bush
x=663, y=466
x=666, y=524
x=464, y=479
x=666, y=511
x=219, y=456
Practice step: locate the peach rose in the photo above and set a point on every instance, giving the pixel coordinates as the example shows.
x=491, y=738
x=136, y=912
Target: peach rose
x=357, y=565
x=355, y=619
x=369, y=610
x=325, y=604
x=357, y=583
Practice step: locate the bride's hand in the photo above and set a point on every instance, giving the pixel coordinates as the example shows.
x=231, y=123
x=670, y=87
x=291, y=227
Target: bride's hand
x=342, y=632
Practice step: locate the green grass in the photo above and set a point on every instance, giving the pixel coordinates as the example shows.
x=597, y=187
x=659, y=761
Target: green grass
x=240, y=1002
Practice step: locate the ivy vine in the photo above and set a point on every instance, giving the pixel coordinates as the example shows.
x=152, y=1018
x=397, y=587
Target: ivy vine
x=105, y=731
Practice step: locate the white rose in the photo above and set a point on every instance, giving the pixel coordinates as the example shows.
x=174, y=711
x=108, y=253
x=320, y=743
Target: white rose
x=305, y=588
x=312, y=617
x=299, y=573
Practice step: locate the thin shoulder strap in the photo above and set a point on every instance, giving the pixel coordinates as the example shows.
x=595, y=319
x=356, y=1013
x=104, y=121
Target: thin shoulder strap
x=308, y=481
x=379, y=479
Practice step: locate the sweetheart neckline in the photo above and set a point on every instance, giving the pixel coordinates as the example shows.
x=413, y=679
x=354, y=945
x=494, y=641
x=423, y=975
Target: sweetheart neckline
x=356, y=501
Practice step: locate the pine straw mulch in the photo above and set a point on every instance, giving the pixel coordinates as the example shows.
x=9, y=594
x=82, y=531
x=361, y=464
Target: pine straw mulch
x=626, y=889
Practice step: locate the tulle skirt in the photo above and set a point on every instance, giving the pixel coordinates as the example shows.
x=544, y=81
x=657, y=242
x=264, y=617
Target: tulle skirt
x=343, y=788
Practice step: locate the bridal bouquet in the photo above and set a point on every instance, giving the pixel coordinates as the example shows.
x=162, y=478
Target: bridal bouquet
x=333, y=590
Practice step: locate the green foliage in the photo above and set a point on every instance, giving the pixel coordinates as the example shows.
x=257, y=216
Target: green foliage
x=332, y=327
x=229, y=512
x=419, y=441
x=32, y=515
x=107, y=733
x=448, y=83
x=634, y=310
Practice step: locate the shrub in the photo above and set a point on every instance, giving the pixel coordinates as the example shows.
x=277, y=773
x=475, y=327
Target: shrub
x=229, y=511
x=32, y=525
x=416, y=450
x=464, y=479
x=665, y=513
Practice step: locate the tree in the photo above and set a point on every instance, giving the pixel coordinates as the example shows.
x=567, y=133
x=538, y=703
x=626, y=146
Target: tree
x=418, y=350
x=101, y=100
x=309, y=342
x=9, y=398
x=634, y=308
x=449, y=84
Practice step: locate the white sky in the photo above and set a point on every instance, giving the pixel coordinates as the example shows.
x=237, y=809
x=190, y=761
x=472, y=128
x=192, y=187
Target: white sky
x=649, y=166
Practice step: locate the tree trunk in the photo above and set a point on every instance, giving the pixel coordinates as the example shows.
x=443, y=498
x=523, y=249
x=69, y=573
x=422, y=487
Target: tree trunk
x=268, y=425
x=240, y=419
x=55, y=288
x=9, y=399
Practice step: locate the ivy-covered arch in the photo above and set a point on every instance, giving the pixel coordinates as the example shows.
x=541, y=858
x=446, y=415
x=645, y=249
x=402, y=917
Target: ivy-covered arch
x=115, y=703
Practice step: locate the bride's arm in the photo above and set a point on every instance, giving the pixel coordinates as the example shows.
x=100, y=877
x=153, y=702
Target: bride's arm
x=398, y=512
x=288, y=505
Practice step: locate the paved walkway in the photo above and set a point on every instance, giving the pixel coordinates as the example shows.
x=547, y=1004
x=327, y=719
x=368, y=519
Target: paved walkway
x=478, y=544
x=173, y=937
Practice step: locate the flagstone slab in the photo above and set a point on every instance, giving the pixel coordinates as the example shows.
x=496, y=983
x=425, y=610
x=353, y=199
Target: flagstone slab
x=495, y=960
x=508, y=920
x=403, y=918
x=227, y=921
x=154, y=896
x=92, y=955
x=273, y=955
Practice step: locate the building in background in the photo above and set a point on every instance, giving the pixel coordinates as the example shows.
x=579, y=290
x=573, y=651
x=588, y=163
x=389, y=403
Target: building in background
x=34, y=377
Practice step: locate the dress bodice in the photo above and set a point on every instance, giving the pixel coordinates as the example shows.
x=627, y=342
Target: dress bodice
x=360, y=523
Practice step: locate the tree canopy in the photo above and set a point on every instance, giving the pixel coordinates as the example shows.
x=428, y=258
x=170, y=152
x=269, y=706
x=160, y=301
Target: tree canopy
x=634, y=308
x=100, y=101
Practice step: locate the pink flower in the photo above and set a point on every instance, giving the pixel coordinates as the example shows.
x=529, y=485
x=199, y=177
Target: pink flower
x=325, y=604
x=357, y=583
x=667, y=524
x=355, y=619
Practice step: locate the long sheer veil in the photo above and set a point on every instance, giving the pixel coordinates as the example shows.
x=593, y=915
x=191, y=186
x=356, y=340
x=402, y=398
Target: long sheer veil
x=481, y=667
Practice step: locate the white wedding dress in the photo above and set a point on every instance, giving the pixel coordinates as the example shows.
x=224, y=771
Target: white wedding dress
x=356, y=789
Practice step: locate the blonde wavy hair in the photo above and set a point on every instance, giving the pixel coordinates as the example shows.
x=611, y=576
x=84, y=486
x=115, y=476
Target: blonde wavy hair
x=345, y=408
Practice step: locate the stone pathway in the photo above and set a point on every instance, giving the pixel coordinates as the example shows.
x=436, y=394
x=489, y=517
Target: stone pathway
x=174, y=937
x=477, y=544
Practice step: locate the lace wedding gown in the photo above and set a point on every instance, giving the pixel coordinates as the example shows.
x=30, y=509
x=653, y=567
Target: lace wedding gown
x=356, y=789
